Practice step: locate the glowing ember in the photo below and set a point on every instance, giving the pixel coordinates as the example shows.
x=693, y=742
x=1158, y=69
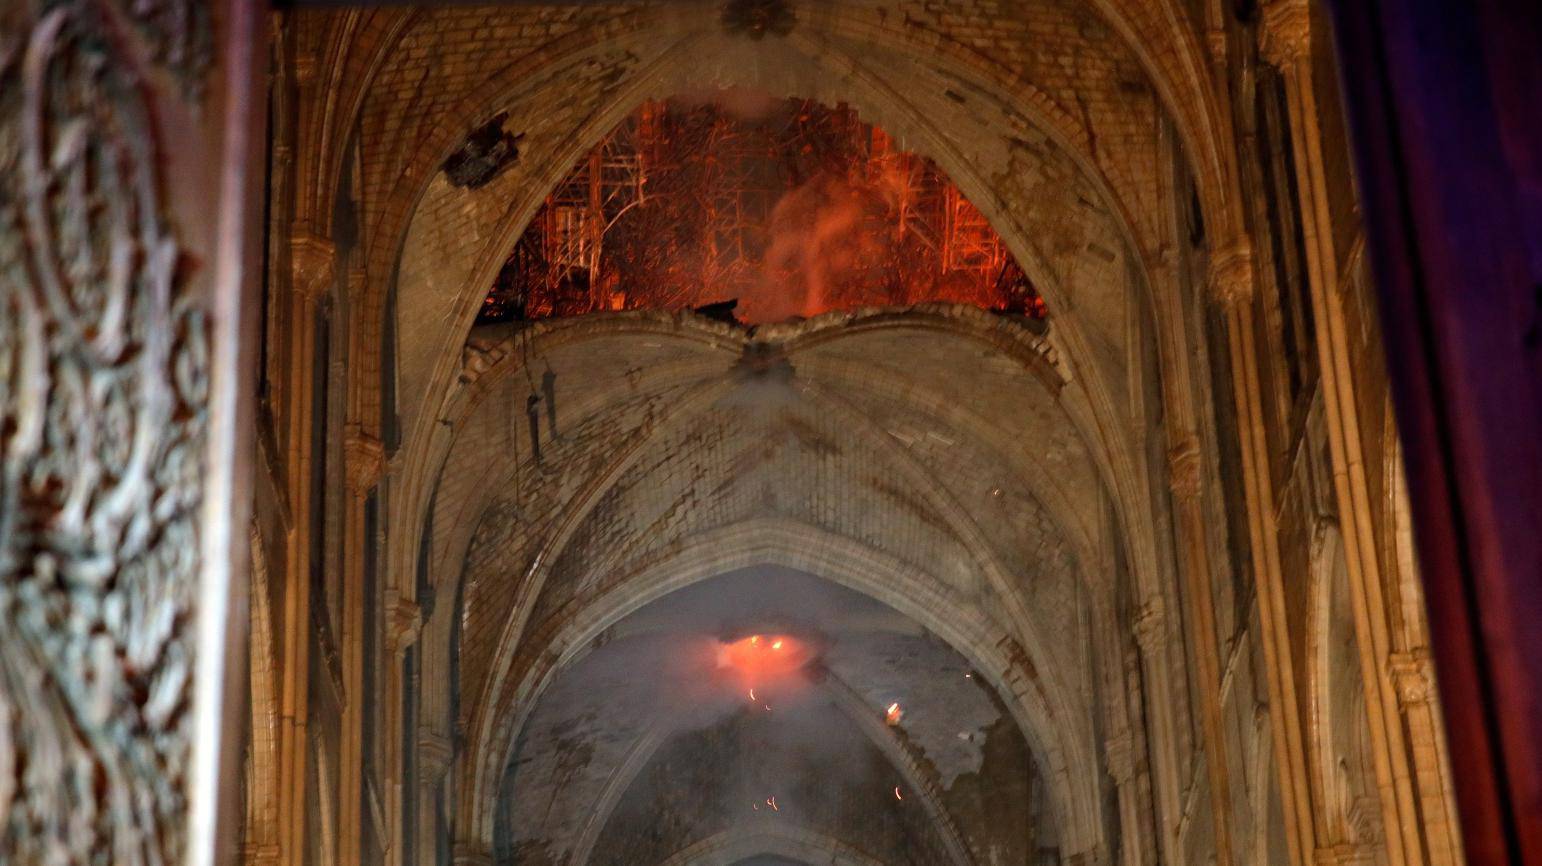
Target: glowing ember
x=893, y=715
x=752, y=694
x=771, y=801
x=897, y=793
x=776, y=644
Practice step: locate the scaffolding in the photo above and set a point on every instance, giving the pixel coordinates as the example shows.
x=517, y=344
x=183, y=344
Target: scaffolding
x=675, y=210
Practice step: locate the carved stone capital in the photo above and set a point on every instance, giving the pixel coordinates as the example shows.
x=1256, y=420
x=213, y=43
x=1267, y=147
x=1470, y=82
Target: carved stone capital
x=1119, y=751
x=312, y=260
x=403, y=621
x=364, y=460
x=1285, y=33
x=1412, y=676
x=1183, y=469
x=1215, y=41
x=1150, y=624
x=1231, y=274
x=304, y=69
x=435, y=752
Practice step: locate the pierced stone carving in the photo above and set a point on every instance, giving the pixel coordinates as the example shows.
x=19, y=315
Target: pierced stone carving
x=1285, y=34
x=103, y=402
x=1231, y=275
x=179, y=37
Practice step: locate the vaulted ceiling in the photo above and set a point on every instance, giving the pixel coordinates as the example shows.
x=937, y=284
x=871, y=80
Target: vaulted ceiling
x=902, y=484
x=958, y=511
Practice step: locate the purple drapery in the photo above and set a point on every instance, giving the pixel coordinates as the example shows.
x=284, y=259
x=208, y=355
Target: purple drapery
x=1445, y=103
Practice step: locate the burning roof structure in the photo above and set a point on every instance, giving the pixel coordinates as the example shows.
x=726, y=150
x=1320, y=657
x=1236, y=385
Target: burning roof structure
x=789, y=207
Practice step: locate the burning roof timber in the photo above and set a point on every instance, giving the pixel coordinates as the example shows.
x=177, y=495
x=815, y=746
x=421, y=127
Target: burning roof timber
x=787, y=207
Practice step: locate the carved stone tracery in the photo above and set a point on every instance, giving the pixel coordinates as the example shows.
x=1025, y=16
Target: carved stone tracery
x=103, y=402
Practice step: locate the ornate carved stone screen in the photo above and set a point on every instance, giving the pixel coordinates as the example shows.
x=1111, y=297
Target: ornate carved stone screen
x=120, y=250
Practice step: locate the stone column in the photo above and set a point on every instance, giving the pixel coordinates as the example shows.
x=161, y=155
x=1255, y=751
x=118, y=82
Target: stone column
x=435, y=754
x=401, y=621
x=1413, y=676
x=312, y=259
x=1185, y=479
x=1232, y=283
x=436, y=722
x=364, y=462
x=1285, y=41
x=1119, y=754
x=1194, y=578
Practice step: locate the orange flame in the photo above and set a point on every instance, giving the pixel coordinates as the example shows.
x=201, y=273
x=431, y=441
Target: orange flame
x=763, y=657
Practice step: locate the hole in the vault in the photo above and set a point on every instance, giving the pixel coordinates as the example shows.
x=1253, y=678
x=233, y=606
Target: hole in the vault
x=754, y=209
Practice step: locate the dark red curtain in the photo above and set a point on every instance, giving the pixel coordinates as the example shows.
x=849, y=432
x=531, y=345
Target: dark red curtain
x=1445, y=102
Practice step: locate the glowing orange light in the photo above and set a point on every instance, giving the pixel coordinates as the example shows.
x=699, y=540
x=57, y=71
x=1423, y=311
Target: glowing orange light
x=763, y=658
x=893, y=714
x=771, y=801
x=752, y=694
x=897, y=793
